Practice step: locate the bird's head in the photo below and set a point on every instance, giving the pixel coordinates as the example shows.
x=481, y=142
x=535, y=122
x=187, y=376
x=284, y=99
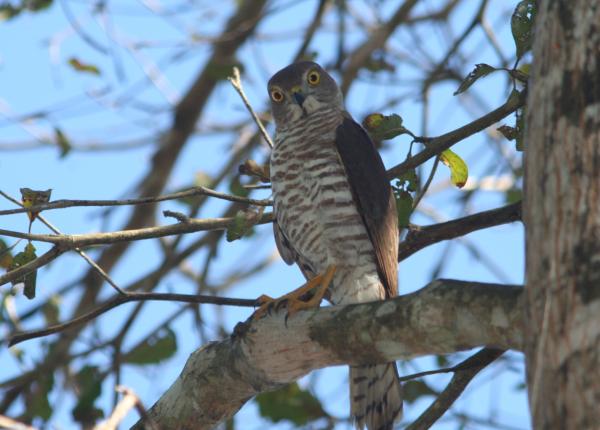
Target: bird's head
x=301, y=89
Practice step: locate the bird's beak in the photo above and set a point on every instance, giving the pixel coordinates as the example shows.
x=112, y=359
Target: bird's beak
x=298, y=95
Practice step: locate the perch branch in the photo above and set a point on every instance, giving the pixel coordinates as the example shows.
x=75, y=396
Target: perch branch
x=261, y=355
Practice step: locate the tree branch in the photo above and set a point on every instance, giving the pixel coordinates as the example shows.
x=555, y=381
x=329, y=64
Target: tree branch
x=438, y=144
x=376, y=40
x=421, y=237
x=444, y=317
x=126, y=298
x=71, y=241
x=465, y=372
x=196, y=191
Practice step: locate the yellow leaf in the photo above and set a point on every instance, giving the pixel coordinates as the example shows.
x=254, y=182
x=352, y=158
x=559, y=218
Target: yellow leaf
x=459, y=172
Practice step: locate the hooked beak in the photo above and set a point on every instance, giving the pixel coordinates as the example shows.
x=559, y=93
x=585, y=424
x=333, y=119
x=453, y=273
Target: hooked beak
x=298, y=95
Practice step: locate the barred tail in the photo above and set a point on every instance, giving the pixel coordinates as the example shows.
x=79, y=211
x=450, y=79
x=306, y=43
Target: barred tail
x=375, y=396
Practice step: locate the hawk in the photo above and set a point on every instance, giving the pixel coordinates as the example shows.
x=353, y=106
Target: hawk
x=335, y=217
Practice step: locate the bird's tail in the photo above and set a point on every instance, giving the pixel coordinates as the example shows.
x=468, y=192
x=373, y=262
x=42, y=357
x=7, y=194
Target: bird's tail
x=375, y=396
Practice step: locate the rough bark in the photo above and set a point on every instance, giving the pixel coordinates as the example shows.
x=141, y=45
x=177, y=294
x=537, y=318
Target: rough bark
x=562, y=217
x=444, y=317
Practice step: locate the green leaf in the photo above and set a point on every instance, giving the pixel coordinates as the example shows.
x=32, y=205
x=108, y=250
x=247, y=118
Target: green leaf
x=442, y=361
x=237, y=189
x=80, y=66
x=201, y=179
x=62, y=141
x=6, y=257
x=89, y=387
x=384, y=127
x=415, y=389
x=37, y=5
x=155, y=349
x=37, y=404
x=29, y=279
x=404, y=206
x=479, y=71
x=290, y=403
x=521, y=386
x=243, y=222
x=513, y=195
x=408, y=180
x=459, y=172
x=237, y=228
x=7, y=11
x=51, y=310
x=522, y=24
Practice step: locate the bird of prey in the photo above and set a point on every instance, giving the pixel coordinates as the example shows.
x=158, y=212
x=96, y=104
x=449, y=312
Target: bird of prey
x=335, y=217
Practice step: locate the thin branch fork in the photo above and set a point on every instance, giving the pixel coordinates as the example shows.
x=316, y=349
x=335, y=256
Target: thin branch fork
x=444, y=317
x=437, y=145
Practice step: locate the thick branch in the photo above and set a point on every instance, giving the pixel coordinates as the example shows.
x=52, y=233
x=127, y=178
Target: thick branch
x=444, y=317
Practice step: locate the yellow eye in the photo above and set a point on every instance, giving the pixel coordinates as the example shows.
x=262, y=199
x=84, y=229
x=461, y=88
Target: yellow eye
x=313, y=77
x=277, y=96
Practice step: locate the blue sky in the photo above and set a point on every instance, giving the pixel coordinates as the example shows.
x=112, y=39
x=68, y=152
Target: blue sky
x=35, y=76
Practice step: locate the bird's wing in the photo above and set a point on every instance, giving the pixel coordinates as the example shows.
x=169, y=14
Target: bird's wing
x=283, y=245
x=373, y=196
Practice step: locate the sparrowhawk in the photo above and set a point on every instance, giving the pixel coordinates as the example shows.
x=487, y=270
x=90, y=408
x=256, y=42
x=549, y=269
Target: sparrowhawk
x=335, y=216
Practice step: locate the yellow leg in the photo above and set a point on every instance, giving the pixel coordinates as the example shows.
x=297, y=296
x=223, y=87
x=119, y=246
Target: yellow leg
x=319, y=283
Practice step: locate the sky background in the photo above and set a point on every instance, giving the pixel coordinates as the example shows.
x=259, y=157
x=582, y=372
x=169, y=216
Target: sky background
x=39, y=91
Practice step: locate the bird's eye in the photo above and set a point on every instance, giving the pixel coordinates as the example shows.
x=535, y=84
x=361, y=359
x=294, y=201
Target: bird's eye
x=313, y=77
x=277, y=96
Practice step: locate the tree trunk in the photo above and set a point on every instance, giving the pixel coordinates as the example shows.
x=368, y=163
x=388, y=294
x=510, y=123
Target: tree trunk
x=562, y=217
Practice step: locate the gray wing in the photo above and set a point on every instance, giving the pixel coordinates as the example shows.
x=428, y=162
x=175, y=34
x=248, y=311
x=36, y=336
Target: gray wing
x=373, y=196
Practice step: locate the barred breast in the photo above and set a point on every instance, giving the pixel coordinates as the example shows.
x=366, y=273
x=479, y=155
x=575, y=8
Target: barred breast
x=315, y=209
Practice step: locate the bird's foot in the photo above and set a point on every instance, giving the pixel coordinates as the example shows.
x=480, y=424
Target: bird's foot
x=293, y=300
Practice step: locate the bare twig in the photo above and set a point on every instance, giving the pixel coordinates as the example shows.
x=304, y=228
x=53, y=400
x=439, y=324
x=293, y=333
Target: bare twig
x=10, y=424
x=121, y=299
x=427, y=183
x=464, y=373
x=130, y=400
x=196, y=191
x=67, y=241
x=236, y=82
